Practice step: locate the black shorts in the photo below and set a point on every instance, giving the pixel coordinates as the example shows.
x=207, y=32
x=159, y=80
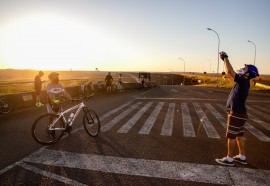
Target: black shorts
x=235, y=124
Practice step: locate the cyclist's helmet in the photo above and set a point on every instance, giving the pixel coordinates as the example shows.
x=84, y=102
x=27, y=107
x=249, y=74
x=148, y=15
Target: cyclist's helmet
x=253, y=71
x=52, y=75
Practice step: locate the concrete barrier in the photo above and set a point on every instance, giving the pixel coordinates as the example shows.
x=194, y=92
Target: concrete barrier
x=262, y=86
x=28, y=99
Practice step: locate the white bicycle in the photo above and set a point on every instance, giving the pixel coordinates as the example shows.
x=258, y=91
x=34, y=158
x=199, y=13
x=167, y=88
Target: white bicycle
x=49, y=128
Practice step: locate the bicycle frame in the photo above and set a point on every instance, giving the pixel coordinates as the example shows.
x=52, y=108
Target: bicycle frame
x=78, y=109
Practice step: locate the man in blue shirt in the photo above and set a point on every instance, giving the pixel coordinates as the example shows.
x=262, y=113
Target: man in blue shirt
x=236, y=110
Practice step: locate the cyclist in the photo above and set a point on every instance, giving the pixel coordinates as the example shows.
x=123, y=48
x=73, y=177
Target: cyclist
x=142, y=82
x=236, y=110
x=109, y=80
x=38, y=86
x=55, y=90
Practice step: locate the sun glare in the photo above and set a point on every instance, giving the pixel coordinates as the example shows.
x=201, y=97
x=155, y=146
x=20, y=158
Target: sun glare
x=50, y=42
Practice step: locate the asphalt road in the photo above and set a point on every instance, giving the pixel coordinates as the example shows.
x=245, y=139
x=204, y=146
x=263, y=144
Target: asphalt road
x=169, y=135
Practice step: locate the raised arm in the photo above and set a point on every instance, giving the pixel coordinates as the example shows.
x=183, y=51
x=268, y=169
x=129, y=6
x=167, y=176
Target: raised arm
x=228, y=67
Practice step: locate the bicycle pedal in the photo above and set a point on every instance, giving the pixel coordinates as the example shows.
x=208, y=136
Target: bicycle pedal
x=68, y=129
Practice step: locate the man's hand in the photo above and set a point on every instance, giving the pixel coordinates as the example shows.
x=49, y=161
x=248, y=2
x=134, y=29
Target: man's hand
x=223, y=55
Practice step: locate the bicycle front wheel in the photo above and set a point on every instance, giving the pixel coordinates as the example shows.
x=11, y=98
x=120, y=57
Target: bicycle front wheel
x=45, y=132
x=91, y=123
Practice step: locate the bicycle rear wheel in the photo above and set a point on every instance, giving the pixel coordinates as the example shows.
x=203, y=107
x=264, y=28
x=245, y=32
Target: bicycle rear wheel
x=91, y=123
x=41, y=131
x=5, y=107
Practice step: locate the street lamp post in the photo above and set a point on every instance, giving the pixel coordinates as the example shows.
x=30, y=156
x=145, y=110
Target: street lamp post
x=184, y=70
x=255, y=50
x=218, y=51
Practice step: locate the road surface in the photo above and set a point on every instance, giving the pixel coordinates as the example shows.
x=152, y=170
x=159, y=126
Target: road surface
x=169, y=135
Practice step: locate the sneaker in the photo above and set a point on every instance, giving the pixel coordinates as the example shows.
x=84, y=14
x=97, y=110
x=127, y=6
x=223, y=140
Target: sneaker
x=238, y=159
x=39, y=104
x=224, y=161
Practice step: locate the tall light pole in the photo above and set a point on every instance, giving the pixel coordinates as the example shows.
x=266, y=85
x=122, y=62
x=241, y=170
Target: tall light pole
x=184, y=70
x=255, y=50
x=218, y=51
x=184, y=65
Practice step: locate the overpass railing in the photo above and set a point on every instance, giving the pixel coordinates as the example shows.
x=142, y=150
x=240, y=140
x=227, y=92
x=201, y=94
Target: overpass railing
x=16, y=87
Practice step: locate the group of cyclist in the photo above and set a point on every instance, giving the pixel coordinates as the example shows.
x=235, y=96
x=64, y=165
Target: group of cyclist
x=54, y=90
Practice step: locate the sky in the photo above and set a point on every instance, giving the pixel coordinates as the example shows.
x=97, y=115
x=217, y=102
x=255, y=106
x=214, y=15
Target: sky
x=134, y=35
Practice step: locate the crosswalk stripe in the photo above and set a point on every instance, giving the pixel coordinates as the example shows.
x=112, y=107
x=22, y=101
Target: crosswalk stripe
x=51, y=175
x=114, y=111
x=261, y=136
x=127, y=126
x=219, y=117
x=151, y=119
x=187, y=123
x=259, y=121
x=193, y=173
x=259, y=112
x=188, y=129
x=210, y=130
x=168, y=123
x=111, y=123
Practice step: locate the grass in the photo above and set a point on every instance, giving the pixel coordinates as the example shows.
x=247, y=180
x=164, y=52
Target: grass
x=16, y=85
x=225, y=81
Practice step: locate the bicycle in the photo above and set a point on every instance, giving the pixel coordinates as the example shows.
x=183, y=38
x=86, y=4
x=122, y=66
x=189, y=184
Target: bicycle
x=5, y=107
x=49, y=128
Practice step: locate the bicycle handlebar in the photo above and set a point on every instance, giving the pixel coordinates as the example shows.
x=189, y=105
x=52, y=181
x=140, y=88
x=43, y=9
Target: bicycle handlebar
x=77, y=99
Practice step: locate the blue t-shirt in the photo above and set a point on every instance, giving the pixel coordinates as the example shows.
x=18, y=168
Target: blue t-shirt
x=236, y=101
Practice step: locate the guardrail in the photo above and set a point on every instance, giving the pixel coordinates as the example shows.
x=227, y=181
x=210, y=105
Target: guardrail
x=28, y=86
x=26, y=96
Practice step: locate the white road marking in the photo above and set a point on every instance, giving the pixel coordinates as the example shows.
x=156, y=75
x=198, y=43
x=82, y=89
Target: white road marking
x=259, y=121
x=128, y=125
x=51, y=175
x=114, y=111
x=149, y=123
x=188, y=129
x=261, y=136
x=198, y=99
x=173, y=90
x=259, y=112
x=203, y=173
x=209, y=129
x=168, y=123
x=219, y=117
x=111, y=123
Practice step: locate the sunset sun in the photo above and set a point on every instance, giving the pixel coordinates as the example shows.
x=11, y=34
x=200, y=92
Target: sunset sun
x=49, y=42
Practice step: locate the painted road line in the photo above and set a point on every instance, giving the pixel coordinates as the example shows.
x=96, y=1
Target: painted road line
x=62, y=179
x=202, y=173
x=111, y=123
x=188, y=129
x=261, y=136
x=209, y=129
x=149, y=123
x=266, y=116
x=219, y=117
x=259, y=121
x=114, y=111
x=198, y=99
x=128, y=125
x=168, y=123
